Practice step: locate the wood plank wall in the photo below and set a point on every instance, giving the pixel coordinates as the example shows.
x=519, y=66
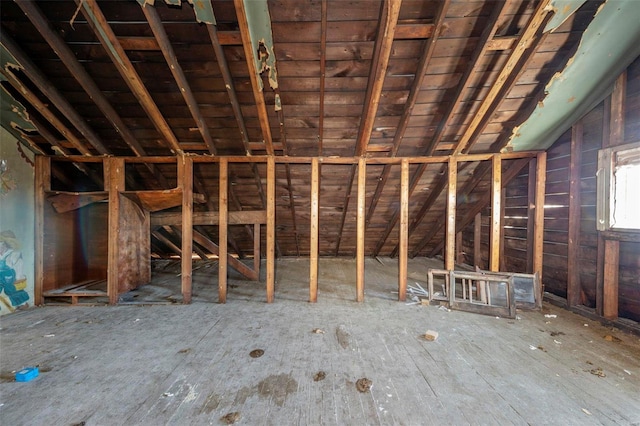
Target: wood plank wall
x=560, y=263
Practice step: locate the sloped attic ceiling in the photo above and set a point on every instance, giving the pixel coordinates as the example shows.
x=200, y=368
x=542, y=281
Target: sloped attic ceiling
x=287, y=78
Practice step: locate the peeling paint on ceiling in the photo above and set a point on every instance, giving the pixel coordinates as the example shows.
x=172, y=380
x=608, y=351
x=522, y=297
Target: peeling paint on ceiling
x=13, y=115
x=608, y=46
x=562, y=9
x=259, y=21
x=202, y=9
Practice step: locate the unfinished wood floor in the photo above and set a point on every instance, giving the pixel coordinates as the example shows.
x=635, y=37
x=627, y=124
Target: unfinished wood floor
x=191, y=364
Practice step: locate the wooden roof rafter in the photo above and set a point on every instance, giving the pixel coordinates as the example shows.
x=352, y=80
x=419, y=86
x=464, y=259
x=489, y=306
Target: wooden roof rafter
x=382, y=51
x=256, y=83
x=169, y=54
x=235, y=104
x=57, y=99
x=474, y=63
x=46, y=112
x=524, y=43
x=55, y=41
x=427, y=53
x=113, y=48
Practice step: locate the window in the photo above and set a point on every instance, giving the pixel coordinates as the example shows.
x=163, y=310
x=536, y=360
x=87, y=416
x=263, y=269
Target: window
x=618, y=174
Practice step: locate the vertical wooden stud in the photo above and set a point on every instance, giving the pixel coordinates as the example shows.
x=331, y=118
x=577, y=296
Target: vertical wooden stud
x=185, y=177
x=618, y=108
x=403, y=238
x=459, y=251
x=223, y=207
x=600, y=276
x=496, y=198
x=477, y=241
x=256, y=250
x=531, y=202
x=42, y=184
x=313, y=249
x=114, y=171
x=573, y=246
x=449, y=262
x=538, y=245
x=611, y=268
x=271, y=228
x=362, y=178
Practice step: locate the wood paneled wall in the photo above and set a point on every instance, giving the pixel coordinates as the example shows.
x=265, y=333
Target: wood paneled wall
x=574, y=251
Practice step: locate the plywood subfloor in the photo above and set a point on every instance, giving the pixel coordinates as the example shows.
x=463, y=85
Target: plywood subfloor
x=191, y=364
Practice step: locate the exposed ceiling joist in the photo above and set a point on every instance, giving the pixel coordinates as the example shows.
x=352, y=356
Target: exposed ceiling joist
x=109, y=41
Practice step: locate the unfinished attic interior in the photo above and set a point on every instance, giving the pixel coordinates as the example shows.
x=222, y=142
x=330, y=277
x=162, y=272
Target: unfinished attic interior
x=450, y=183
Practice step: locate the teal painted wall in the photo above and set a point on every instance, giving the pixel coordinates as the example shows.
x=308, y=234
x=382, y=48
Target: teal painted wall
x=17, y=219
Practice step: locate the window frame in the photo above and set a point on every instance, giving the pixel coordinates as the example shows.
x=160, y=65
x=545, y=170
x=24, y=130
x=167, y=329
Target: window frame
x=605, y=181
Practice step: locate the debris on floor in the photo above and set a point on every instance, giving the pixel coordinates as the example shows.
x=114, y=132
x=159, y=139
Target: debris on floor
x=597, y=372
x=27, y=374
x=256, y=353
x=230, y=418
x=184, y=351
x=363, y=384
x=430, y=335
x=610, y=338
x=317, y=331
x=550, y=316
x=320, y=375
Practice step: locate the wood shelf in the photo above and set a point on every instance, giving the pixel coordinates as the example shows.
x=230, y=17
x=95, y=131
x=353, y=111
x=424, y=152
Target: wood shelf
x=154, y=200
x=64, y=201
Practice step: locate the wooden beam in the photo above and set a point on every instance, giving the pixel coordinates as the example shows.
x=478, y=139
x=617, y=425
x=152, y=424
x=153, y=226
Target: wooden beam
x=256, y=250
x=433, y=195
x=229, y=85
x=469, y=186
x=178, y=74
x=114, y=178
x=470, y=214
x=452, y=181
x=428, y=49
x=474, y=64
x=109, y=41
x=164, y=239
x=207, y=159
x=528, y=35
x=611, y=271
x=574, y=288
x=459, y=251
x=44, y=110
x=382, y=52
x=618, y=108
x=222, y=231
x=69, y=59
x=236, y=264
x=271, y=228
x=314, y=231
x=477, y=241
x=345, y=206
x=42, y=184
x=403, y=238
x=185, y=176
x=496, y=198
x=531, y=202
x=360, y=238
x=256, y=82
x=323, y=69
x=241, y=217
x=48, y=89
x=538, y=246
